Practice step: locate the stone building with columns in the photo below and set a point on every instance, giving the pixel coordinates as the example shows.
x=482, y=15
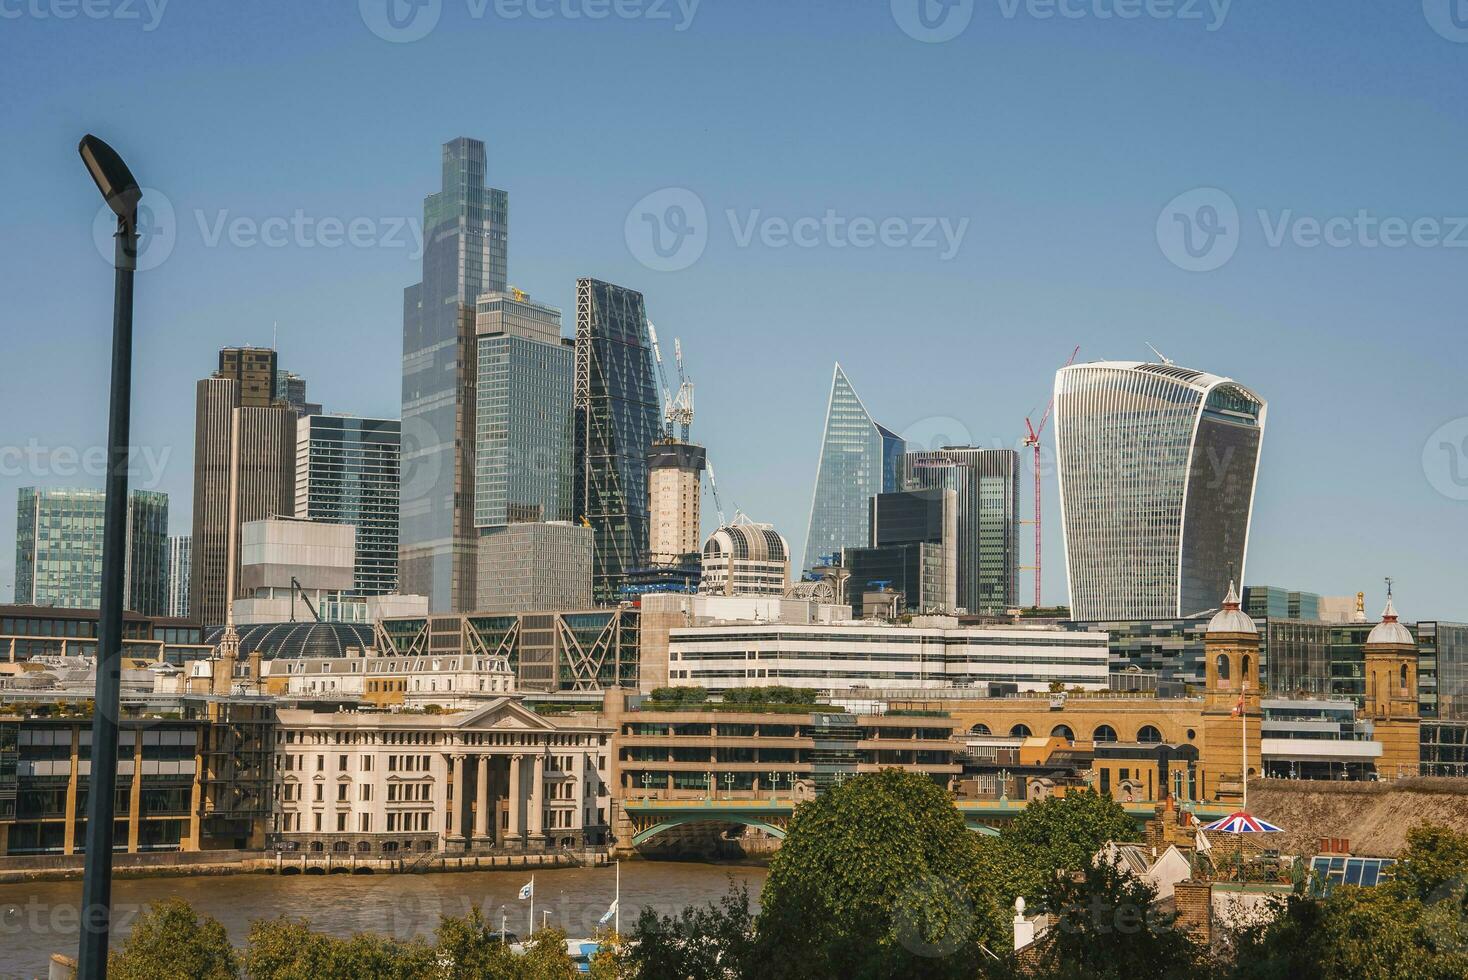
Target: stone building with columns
x=393, y=783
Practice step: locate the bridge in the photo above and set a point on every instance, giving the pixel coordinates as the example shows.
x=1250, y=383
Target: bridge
x=651, y=817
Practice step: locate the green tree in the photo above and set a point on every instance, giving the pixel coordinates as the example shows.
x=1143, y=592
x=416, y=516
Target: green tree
x=709, y=942
x=170, y=941
x=287, y=949
x=1435, y=862
x=1109, y=928
x=545, y=958
x=876, y=878
x=469, y=947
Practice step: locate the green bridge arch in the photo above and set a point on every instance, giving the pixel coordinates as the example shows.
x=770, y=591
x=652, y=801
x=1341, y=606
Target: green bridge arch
x=684, y=819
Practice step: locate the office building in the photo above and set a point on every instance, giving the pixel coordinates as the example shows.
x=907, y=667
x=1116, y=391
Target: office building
x=30, y=632
x=858, y=460
x=290, y=568
x=987, y=484
x=675, y=491
x=179, y=551
x=914, y=551
x=527, y=567
x=466, y=238
x=577, y=651
x=414, y=683
x=291, y=389
x=884, y=659
x=1157, y=466
x=245, y=448
x=745, y=558
x=58, y=549
x=523, y=416
x=1442, y=670
x=616, y=412
x=347, y=472
x=1272, y=602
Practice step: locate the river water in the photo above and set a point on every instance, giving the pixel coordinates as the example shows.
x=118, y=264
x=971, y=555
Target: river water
x=39, y=918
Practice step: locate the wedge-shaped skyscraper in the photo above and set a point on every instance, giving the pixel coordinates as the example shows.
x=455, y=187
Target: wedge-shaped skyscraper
x=859, y=459
x=1157, y=472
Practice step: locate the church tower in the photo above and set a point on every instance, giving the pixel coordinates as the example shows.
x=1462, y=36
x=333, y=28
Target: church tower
x=1391, y=695
x=1231, y=710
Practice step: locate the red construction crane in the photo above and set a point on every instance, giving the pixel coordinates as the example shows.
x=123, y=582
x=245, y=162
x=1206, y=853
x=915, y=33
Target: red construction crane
x=1032, y=440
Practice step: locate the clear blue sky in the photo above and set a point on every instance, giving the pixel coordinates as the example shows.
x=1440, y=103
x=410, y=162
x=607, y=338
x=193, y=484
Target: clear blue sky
x=1059, y=140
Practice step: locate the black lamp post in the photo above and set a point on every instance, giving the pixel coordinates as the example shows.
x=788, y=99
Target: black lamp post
x=121, y=192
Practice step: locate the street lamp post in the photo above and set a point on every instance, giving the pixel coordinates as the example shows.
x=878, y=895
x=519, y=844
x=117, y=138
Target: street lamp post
x=122, y=194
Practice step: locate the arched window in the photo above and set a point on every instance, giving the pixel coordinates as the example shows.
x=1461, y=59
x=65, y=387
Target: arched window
x=1063, y=731
x=1404, y=678
x=1020, y=731
x=1244, y=673
x=1149, y=733
x=1104, y=733
x=1221, y=664
x=980, y=729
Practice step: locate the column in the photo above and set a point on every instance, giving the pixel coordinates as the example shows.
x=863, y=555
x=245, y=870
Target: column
x=68, y=832
x=481, y=800
x=135, y=795
x=459, y=809
x=516, y=800
x=537, y=798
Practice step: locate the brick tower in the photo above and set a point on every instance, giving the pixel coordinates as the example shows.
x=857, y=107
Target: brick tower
x=1231, y=647
x=1391, y=695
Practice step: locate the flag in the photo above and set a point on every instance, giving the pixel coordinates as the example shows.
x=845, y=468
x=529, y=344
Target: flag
x=528, y=890
x=607, y=916
x=1239, y=708
x=1200, y=841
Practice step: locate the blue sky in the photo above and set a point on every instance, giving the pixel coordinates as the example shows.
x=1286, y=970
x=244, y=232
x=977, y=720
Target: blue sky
x=1059, y=140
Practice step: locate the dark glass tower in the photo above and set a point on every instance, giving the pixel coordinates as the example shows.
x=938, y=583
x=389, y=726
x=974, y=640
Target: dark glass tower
x=465, y=228
x=859, y=459
x=616, y=422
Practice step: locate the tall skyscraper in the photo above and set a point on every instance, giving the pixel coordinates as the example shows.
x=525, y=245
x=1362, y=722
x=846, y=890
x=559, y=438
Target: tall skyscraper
x=859, y=459
x=914, y=550
x=179, y=552
x=246, y=440
x=523, y=421
x=58, y=549
x=1157, y=467
x=535, y=567
x=616, y=423
x=987, y=484
x=674, y=493
x=466, y=236
x=291, y=389
x=347, y=473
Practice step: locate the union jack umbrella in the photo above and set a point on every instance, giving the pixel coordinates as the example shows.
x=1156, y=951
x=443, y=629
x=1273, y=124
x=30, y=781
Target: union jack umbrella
x=1241, y=822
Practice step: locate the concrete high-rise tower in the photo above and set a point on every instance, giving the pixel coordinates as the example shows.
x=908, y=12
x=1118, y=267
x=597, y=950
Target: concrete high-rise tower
x=1157, y=467
x=466, y=236
x=674, y=492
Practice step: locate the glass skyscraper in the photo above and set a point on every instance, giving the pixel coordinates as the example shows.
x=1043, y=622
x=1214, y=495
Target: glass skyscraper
x=466, y=240
x=859, y=459
x=616, y=413
x=180, y=555
x=1157, y=467
x=987, y=484
x=347, y=471
x=58, y=549
x=525, y=394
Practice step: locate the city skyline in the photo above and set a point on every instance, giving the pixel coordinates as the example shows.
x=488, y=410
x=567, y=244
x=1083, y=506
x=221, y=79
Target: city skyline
x=1113, y=280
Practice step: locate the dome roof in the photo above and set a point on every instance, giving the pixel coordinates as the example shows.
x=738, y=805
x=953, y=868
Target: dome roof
x=272, y=640
x=1389, y=631
x=1231, y=619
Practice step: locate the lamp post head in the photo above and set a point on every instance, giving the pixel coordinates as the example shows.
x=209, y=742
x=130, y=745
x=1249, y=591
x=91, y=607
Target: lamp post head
x=111, y=176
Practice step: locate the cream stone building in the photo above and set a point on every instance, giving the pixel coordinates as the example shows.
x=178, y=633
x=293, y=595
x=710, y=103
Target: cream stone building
x=497, y=778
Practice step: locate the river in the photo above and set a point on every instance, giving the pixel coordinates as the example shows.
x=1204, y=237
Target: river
x=39, y=918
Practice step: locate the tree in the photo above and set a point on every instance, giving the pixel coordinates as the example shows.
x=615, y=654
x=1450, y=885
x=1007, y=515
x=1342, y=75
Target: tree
x=1108, y=928
x=710, y=942
x=876, y=878
x=286, y=949
x=170, y=941
x=468, y=947
x=545, y=958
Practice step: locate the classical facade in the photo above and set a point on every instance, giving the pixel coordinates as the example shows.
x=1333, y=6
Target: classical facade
x=453, y=681
x=500, y=777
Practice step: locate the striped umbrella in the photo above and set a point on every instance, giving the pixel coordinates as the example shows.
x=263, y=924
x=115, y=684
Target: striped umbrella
x=1241, y=822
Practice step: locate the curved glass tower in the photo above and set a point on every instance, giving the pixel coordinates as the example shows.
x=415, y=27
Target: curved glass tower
x=1157, y=467
x=859, y=459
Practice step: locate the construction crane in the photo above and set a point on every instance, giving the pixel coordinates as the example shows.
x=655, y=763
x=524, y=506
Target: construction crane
x=679, y=410
x=657, y=356
x=1032, y=441
x=714, y=488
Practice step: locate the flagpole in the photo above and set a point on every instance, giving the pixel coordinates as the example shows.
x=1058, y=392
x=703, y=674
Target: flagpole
x=617, y=902
x=1244, y=732
x=532, y=906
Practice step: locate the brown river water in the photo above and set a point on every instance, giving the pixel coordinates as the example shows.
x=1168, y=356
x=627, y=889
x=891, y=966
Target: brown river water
x=39, y=918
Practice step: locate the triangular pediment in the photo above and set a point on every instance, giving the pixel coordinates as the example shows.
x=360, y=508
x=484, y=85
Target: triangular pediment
x=508, y=714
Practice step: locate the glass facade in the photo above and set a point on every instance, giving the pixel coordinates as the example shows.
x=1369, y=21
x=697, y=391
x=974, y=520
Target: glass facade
x=987, y=484
x=58, y=549
x=859, y=459
x=1442, y=670
x=524, y=423
x=180, y=555
x=347, y=472
x=616, y=421
x=1157, y=466
x=466, y=236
